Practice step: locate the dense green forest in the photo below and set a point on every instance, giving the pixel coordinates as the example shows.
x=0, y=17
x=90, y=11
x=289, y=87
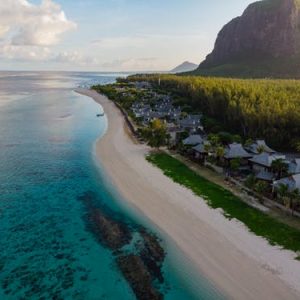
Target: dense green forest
x=267, y=109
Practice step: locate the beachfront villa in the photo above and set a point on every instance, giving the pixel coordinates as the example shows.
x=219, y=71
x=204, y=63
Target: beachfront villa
x=141, y=110
x=174, y=133
x=265, y=176
x=200, y=151
x=159, y=106
x=294, y=166
x=263, y=162
x=292, y=182
x=193, y=140
x=162, y=108
x=191, y=123
x=174, y=113
x=236, y=150
x=258, y=147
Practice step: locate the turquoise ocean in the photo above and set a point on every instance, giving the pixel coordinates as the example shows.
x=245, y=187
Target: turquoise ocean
x=47, y=162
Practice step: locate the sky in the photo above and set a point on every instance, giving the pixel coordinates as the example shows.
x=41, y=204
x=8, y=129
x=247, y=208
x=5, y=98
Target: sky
x=110, y=35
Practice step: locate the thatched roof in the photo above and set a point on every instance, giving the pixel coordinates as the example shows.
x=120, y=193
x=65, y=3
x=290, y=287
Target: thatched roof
x=293, y=182
x=294, y=166
x=266, y=159
x=201, y=147
x=236, y=150
x=193, y=140
x=260, y=144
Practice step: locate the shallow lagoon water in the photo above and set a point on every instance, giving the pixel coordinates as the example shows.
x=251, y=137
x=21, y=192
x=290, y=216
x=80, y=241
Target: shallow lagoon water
x=46, y=161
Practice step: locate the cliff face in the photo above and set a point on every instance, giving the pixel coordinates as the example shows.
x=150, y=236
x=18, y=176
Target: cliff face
x=268, y=29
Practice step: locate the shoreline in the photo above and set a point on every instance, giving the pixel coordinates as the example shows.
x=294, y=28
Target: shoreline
x=238, y=263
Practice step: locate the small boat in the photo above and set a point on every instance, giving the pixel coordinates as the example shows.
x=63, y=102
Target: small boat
x=100, y=115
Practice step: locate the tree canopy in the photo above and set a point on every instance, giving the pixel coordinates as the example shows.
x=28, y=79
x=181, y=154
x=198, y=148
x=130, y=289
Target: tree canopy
x=268, y=109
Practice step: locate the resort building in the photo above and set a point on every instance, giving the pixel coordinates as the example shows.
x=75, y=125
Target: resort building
x=265, y=176
x=174, y=133
x=193, y=140
x=292, y=182
x=174, y=114
x=259, y=146
x=236, y=150
x=263, y=161
x=200, y=151
x=294, y=166
x=192, y=123
x=141, y=110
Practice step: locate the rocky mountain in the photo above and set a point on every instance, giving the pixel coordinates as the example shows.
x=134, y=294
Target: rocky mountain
x=263, y=42
x=185, y=67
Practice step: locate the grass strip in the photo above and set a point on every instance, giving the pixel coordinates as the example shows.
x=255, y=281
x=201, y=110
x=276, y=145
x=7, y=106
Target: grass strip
x=276, y=232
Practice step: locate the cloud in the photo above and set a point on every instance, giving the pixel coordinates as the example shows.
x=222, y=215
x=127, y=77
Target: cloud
x=158, y=49
x=134, y=64
x=75, y=58
x=32, y=53
x=144, y=40
x=39, y=54
x=120, y=42
x=26, y=24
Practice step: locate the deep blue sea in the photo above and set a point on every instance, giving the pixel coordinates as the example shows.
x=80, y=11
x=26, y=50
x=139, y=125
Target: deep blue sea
x=47, y=137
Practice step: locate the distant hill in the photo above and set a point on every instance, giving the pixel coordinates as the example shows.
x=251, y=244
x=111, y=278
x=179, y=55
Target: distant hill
x=185, y=67
x=263, y=42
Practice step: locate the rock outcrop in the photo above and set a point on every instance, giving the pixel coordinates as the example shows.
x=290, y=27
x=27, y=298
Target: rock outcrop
x=152, y=254
x=138, y=276
x=267, y=32
x=140, y=263
x=112, y=234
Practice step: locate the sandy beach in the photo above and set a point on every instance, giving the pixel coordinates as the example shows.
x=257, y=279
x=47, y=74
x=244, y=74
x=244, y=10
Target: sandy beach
x=240, y=264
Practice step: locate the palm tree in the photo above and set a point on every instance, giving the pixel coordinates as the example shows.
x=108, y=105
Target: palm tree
x=237, y=138
x=250, y=181
x=214, y=140
x=261, y=149
x=220, y=152
x=283, y=192
x=156, y=134
x=295, y=198
x=207, y=147
x=214, y=146
x=235, y=164
x=297, y=146
x=249, y=142
x=261, y=187
x=280, y=167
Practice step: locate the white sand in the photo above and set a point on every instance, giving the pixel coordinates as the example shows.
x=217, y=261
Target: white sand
x=240, y=264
